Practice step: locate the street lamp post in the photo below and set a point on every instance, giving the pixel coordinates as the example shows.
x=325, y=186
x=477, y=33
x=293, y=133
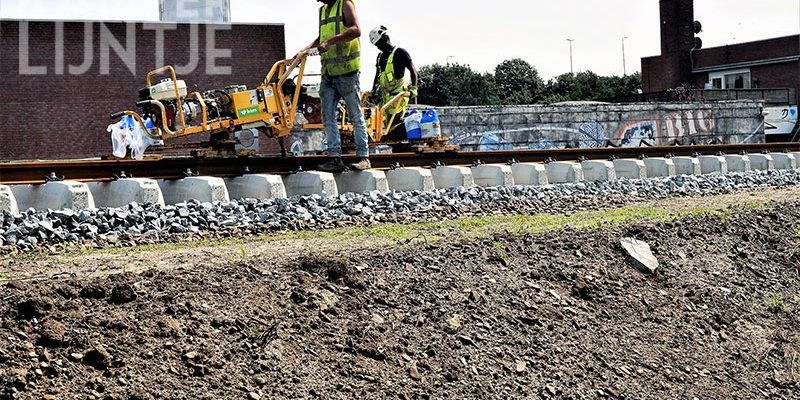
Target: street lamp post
x=571, y=65
x=624, y=63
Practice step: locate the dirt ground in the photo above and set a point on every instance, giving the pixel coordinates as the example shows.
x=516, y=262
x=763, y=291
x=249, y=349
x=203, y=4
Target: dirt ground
x=559, y=314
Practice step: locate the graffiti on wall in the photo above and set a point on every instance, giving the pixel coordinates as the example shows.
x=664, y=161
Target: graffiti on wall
x=685, y=125
x=636, y=134
x=519, y=128
x=780, y=120
x=682, y=127
x=535, y=137
x=678, y=127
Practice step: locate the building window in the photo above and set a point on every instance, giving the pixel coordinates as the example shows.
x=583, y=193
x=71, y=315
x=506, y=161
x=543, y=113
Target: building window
x=731, y=79
x=737, y=81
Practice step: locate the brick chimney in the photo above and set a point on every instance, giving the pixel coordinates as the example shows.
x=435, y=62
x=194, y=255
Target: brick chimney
x=677, y=41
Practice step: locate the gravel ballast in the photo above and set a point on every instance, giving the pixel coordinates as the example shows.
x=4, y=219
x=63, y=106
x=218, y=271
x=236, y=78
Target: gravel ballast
x=149, y=223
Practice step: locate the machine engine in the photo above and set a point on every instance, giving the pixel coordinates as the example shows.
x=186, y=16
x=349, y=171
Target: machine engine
x=217, y=103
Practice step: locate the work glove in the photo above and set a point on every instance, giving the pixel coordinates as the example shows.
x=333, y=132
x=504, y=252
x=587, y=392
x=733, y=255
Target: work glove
x=414, y=91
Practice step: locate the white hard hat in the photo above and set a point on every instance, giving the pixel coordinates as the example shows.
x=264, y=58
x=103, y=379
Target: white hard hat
x=377, y=34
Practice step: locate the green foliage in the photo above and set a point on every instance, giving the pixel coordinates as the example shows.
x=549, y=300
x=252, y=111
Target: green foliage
x=499, y=251
x=778, y=304
x=516, y=82
x=587, y=85
x=254, y=332
x=575, y=87
x=455, y=85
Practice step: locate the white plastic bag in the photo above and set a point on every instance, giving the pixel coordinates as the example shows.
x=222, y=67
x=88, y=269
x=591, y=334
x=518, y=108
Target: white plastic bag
x=120, y=139
x=129, y=134
x=139, y=142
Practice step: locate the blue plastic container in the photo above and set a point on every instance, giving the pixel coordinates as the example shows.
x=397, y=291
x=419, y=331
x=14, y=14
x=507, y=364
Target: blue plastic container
x=431, y=127
x=413, y=125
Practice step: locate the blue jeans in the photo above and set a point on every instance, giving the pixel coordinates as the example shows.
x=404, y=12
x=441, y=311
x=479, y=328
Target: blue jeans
x=333, y=89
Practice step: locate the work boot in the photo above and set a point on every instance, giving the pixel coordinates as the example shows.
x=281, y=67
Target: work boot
x=363, y=164
x=334, y=164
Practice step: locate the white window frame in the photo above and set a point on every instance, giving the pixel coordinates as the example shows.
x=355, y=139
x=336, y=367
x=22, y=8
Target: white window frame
x=723, y=74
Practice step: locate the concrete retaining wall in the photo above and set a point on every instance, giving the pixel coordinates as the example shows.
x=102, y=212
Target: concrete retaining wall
x=597, y=125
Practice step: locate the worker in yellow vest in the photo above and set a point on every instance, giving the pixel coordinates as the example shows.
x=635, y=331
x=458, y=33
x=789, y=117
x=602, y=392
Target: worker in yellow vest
x=340, y=49
x=390, y=79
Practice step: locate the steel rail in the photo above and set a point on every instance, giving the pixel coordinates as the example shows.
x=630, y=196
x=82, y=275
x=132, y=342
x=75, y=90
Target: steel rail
x=37, y=172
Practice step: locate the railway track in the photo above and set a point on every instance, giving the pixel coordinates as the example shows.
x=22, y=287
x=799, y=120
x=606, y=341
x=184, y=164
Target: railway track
x=37, y=172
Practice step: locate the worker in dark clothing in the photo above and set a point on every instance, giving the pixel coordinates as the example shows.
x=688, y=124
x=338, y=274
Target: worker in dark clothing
x=390, y=79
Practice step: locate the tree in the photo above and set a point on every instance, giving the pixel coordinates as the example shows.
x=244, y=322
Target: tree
x=518, y=82
x=455, y=85
x=582, y=86
x=560, y=88
x=623, y=86
x=586, y=86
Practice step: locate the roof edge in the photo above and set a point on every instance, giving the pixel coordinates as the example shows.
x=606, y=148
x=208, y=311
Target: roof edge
x=751, y=42
x=746, y=64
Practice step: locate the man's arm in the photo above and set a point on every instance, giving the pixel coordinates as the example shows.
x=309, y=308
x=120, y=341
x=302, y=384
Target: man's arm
x=376, y=81
x=313, y=45
x=412, y=69
x=353, y=30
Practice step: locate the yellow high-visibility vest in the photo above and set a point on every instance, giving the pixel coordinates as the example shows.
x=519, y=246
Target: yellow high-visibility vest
x=390, y=83
x=392, y=86
x=342, y=58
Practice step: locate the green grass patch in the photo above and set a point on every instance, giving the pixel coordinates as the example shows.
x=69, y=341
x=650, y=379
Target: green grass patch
x=254, y=332
x=469, y=227
x=777, y=304
x=384, y=231
x=741, y=262
x=499, y=251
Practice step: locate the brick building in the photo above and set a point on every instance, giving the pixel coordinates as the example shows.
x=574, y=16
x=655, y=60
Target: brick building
x=772, y=63
x=56, y=104
x=764, y=64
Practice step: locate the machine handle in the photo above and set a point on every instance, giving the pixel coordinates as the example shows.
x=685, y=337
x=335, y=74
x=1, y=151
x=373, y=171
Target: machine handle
x=143, y=103
x=118, y=115
x=174, y=77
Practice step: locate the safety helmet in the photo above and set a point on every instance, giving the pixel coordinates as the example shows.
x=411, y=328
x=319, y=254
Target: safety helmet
x=377, y=34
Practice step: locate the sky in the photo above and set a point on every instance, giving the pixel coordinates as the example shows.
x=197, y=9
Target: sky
x=478, y=33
